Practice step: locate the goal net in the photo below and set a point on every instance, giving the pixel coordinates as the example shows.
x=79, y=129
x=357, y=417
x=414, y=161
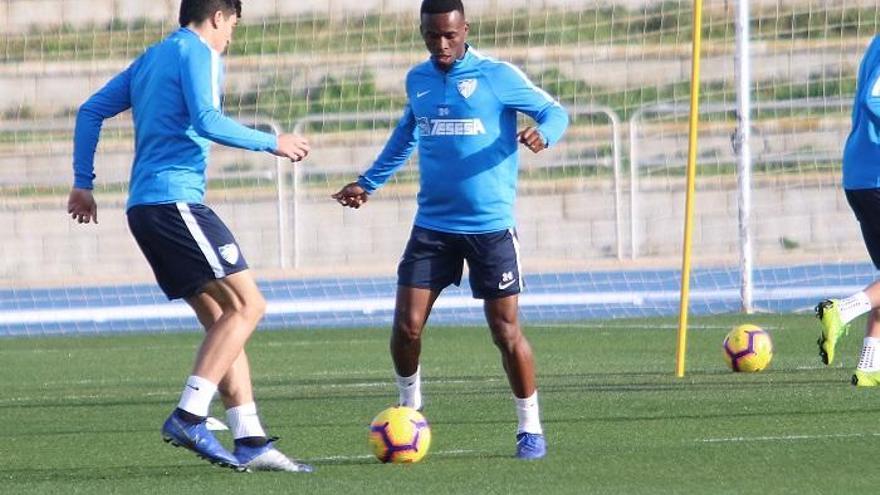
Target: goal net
x=599, y=217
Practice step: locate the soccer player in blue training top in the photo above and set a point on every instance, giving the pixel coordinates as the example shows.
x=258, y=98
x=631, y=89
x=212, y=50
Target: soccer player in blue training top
x=173, y=89
x=462, y=113
x=861, y=183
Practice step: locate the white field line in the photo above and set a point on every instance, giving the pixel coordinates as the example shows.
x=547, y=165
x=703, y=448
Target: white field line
x=159, y=347
x=303, y=343
x=810, y=367
x=9, y=401
x=789, y=438
x=389, y=383
x=442, y=453
x=370, y=305
x=379, y=383
x=611, y=325
x=15, y=400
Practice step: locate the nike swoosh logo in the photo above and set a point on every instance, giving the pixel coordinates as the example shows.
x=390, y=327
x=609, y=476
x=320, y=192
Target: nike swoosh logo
x=502, y=285
x=422, y=93
x=194, y=388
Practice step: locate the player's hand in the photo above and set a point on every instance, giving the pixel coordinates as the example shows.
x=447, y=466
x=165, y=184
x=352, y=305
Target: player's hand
x=81, y=206
x=292, y=146
x=532, y=139
x=352, y=195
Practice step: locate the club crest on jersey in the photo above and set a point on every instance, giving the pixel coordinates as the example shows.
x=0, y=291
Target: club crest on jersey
x=466, y=87
x=229, y=252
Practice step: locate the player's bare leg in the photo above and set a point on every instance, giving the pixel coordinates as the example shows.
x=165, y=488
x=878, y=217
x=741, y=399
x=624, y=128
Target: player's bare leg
x=516, y=355
x=253, y=449
x=872, y=325
x=242, y=307
x=412, y=307
x=235, y=388
x=836, y=316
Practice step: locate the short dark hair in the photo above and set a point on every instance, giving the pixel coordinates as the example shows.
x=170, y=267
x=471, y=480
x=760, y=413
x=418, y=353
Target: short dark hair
x=197, y=11
x=441, y=6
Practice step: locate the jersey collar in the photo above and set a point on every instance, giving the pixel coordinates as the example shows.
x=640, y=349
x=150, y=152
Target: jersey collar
x=197, y=35
x=460, y=63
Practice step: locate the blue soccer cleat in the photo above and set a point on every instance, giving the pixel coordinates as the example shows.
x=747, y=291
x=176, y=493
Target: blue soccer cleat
x=530, y=446
x=197, y=437
x=268, y=458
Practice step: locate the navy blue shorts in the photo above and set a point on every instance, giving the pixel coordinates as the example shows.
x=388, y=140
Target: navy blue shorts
x=434, y=260
x=865, y=203
x=187, y=245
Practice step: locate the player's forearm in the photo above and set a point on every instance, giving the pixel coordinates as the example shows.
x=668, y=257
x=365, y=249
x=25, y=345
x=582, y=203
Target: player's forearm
x=110, y=100
x=212, y=124
x=552, y=123
x=395, y=153
x=85, y=141
x=378, y=174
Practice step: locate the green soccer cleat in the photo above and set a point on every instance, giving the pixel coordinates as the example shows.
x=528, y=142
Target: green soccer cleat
x=832, y=329
x=866, y=378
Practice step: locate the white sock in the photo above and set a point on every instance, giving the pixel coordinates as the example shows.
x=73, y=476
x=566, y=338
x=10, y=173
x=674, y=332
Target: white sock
x=197, y=395
x=869, y=360
x=409, y=389
x=528, y=412
x=244, y=421
x=854, y=306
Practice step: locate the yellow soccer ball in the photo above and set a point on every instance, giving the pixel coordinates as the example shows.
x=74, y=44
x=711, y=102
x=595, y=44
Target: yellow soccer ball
x=400, y=435
x=748, y=348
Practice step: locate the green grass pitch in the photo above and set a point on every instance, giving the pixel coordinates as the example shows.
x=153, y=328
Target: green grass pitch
x=82, y=414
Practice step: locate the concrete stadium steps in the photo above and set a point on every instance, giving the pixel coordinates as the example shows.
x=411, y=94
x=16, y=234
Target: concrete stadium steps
x=585, y=152
x=18, y=16
x=343, y=154
x=47, y=88
x=569, y=223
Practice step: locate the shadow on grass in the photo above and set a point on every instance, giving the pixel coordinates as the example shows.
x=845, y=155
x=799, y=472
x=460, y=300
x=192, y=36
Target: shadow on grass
x=92, y=473
x=670, y=417
x=482, y=385
x=435, y=457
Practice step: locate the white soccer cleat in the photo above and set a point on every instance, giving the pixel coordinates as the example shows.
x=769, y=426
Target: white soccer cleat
x=268, y=458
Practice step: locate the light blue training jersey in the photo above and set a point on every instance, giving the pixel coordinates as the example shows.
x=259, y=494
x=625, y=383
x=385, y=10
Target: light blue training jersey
x=174, y=91
x=861, y=155
x=465, y=124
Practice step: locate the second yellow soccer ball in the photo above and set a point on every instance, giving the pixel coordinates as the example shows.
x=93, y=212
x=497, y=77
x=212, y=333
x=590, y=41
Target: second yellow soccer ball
x=748, y=348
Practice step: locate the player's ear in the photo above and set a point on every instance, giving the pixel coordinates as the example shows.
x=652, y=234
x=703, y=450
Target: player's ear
x=217, y=18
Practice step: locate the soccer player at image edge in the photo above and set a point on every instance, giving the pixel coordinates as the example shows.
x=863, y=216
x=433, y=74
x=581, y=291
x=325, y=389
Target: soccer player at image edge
x=861, y=184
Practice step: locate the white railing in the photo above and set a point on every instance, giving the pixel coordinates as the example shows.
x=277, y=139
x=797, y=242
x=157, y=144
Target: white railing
x=673, y=109
x=574, y=112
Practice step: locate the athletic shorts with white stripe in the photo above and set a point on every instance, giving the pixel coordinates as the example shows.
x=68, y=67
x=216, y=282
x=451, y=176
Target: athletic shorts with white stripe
x=435, y=260
x=186, y=244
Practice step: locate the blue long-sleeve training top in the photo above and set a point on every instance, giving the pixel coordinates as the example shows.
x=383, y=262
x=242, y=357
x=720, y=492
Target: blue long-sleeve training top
x=174, y=91
x=465, y=124
x=861, y=154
